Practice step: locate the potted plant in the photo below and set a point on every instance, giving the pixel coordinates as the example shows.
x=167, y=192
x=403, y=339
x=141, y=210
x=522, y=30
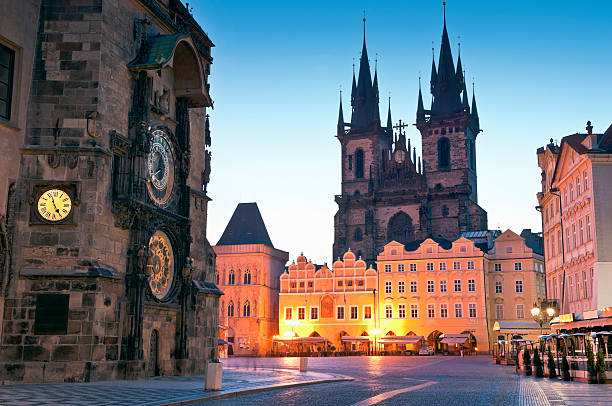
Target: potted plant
x=527, y=361
x=565, y=368
x=537, y=364
x=591, y=371
x=552, y=367
x=601, y=367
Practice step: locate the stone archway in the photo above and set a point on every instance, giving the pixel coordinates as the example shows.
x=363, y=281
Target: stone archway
x=400, y=228
x=433, y=340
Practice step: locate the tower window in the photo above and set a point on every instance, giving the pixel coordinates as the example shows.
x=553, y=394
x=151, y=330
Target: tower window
x=443, y=131
x=358, y=235
x=350, y=162
x=443, y=153
x=7, y=61
x=444, y=211
x=359, y=163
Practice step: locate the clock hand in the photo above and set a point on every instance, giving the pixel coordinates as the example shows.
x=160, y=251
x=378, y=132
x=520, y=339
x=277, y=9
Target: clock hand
x=53, y=201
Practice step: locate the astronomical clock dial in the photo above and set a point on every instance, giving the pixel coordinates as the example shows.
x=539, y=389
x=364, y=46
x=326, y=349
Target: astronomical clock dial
x=54, y=205
x=160, y=267
x=160, y=168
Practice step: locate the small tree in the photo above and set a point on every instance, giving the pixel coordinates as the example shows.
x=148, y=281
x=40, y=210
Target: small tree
x=591, y=371
x=601, y=367
x=552, y=372
x=537, y=363
x=565, y=367
x=527, y=360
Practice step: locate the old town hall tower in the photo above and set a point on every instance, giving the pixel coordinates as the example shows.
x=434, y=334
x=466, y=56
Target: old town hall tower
x=387, y=193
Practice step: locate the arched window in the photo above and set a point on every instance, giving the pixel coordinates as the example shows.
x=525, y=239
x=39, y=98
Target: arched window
x=217, y=277
x=231, y=278
x=400, y=228
x=230, y=309
x=359, y=163
x=358, y=235
x=443, y=153
x=246, y=309
x=247, y=277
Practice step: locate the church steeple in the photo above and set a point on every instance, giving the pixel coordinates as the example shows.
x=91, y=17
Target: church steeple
x=340, y=129
x=474, y=114
x=420, y=116
x=389, y=122
x=434, y=73
x=446, y=90
x=365, y=108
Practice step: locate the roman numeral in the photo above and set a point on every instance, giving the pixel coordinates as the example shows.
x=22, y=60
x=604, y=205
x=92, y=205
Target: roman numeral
x=65, y=211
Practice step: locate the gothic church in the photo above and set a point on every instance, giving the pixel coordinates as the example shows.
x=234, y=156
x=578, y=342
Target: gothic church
x=386, y=193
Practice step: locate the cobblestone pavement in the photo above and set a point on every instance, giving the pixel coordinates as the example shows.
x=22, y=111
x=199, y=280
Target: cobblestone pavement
x=156, y=391
x=426, y=381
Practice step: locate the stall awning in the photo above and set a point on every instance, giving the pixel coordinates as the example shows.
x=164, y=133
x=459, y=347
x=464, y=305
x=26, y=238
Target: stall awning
x=355, y=338
x=300, y=340
x=519, y=327
x=400, y=339
x=453, y=340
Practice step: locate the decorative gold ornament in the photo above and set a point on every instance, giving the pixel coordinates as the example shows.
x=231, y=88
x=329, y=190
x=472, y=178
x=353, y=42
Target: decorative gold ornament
x=160, y=267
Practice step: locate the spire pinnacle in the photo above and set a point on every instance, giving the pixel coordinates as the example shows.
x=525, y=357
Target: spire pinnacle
x=474, y=114
x=389, y=122
x=340, y=116
x=420, y=116
x=365, y=102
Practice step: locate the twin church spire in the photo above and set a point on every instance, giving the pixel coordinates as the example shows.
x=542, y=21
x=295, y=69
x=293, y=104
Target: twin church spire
x=447, y=86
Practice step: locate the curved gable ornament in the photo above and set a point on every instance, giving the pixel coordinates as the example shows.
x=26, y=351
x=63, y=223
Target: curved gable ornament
x=178, y=52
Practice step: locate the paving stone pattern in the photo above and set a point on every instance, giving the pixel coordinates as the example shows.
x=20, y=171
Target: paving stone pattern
x=156, y=391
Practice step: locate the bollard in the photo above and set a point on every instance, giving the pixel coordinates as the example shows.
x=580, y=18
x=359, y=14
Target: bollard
x=214, y=375
x=303, y=364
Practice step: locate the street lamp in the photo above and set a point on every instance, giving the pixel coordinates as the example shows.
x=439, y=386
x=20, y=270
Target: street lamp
x=541, y=315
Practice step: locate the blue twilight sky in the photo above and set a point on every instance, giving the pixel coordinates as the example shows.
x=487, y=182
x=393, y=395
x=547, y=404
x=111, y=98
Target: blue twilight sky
x=542, y=69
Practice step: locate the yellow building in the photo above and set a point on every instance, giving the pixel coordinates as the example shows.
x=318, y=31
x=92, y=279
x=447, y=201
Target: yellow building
x=248, y=272
x=435, y=289
x=516, y=280
x=327, y=310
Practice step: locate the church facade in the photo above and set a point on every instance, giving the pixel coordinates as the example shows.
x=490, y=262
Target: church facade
x=109, y=272
x=387, y=193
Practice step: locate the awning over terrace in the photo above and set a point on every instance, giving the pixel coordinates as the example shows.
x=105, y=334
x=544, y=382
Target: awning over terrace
x=455, y=338
x=400, y=339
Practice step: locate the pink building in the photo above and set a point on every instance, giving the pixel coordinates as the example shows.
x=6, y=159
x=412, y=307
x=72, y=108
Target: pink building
x=575, y=199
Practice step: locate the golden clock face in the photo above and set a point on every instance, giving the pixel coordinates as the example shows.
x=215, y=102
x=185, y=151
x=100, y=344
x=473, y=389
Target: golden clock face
x=54, y=205
x=160, y=265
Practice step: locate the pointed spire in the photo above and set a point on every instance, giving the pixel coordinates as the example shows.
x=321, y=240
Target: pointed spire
x=419, y=168
x=365, y=108
x=389, y=122
x=474, y=114
x=464, y=102
x=434, y=72
x=354, y=88
x=375, y=90
x=446, y=93
x=420, y=116
x=459, y=74
x=408, y=149
x=340, y=117
x=414, y=159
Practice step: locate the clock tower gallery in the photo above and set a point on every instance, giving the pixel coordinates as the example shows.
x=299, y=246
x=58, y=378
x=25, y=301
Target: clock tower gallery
x=111, y=275
x=387, y=193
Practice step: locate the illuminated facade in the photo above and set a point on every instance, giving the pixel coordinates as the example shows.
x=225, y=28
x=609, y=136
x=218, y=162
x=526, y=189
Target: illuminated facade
x=316, y=301
x=575, y=199
x=248, y=272
x=433, y=290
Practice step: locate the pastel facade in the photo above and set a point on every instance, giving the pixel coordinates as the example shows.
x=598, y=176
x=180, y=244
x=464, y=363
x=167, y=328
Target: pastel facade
x=434, y=290
x=331, y=303
x=515, y=277
x=248, y=272
x=576, y=199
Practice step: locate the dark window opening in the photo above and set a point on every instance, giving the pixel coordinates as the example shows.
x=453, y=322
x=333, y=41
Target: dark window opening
x=358, y=235
x=444, y=211
x=359, y=163
x=443, y=131
x=350, y=162
x=443, y=153
x=7, y=62
x=51, y=315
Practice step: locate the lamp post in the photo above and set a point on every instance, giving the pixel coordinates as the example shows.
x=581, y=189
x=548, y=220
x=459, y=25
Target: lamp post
x=556, y=192
x=375, y=331
x=541, y=315
x=540, y=209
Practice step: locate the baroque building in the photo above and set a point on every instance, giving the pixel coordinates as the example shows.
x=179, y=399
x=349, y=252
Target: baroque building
x=110, y=274
x=248, y=271
x=574, y=201
x=386, y=193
